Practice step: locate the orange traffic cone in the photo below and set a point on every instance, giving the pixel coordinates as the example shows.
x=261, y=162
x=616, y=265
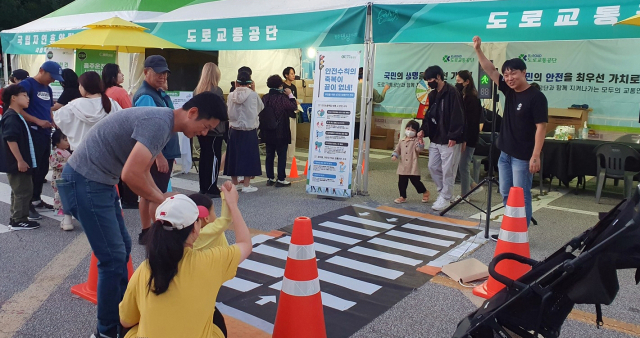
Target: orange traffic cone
x=294, y=169
x=513, y=238
x=306, y=168
x=89, y=289
x=300, y=305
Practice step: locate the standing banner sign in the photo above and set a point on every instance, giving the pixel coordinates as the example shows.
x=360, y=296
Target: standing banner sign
x=93, y=60
x=332, y=124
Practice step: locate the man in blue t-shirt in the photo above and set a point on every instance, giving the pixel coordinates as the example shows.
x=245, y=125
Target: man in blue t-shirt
x=40, y=121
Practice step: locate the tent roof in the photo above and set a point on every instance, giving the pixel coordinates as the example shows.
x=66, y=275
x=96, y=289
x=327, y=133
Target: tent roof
x=227, y=9
x=259, y=24
x=414, y=21
x=80, y=13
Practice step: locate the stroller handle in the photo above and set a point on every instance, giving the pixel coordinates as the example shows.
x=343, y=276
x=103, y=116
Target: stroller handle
x=508, y=282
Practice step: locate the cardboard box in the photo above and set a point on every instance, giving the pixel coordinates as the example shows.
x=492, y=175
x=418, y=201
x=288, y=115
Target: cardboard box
x=383, y=138
x=308, y=89
x=303, y=130
x=567, y=117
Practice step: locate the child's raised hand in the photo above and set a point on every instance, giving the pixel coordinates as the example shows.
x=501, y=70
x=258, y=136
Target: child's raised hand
x=230, y=193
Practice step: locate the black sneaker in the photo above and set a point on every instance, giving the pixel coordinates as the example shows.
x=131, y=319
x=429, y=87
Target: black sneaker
x=33, y=214
x=271, y=182
x=113, y=334
x=141, y=239
x=494, y=237
x=24, y=225
x=44, y=205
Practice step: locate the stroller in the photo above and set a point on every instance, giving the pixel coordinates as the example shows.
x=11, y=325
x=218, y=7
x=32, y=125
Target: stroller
x=583, y=271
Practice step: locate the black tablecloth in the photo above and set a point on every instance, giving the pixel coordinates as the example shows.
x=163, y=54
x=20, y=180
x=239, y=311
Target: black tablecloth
x=567, y=160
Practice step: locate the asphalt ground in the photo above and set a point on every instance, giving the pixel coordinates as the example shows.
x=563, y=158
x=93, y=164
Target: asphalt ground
x=38, y=267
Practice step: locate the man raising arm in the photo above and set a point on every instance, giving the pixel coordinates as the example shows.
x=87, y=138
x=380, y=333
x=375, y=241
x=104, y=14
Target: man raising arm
x=523, y=127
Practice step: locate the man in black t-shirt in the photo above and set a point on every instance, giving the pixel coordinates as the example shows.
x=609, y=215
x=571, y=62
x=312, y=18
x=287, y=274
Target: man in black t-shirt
x=523, y=127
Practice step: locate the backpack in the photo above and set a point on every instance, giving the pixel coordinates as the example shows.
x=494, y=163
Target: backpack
x=267, y=117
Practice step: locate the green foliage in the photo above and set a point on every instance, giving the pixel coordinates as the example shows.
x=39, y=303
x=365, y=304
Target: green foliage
x=14, y=13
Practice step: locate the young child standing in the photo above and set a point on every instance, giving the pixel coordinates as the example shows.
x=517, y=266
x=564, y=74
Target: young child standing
x=408, y=150
x=57, y=160
x=17, y=157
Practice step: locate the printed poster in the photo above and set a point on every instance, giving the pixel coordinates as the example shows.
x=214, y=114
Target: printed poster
x=332, y=124
x=179, y=98
x=93, y=60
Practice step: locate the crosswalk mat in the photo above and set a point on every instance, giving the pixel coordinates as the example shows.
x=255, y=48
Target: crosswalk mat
x=367, y=261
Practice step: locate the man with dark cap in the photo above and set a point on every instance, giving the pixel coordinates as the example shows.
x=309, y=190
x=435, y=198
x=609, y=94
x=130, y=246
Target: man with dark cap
x=40, y=119
x=124, y=144
x=151, y=94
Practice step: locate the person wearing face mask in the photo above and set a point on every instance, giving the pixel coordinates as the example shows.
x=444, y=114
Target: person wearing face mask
x=444, y=124
x=523, y=129
x=472, y=114
x=408, y=150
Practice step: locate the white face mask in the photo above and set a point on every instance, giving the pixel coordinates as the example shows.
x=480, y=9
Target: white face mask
x=410, y=133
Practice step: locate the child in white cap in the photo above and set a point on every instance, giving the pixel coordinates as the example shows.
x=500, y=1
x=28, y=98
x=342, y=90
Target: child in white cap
x=170, y=294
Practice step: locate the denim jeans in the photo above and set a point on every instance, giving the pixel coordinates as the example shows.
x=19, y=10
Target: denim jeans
x=464, y=171
x=515, y=173
x=97, y=207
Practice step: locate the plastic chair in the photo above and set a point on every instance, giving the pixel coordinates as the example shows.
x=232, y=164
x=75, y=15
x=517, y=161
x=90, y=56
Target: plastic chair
x=611, y=160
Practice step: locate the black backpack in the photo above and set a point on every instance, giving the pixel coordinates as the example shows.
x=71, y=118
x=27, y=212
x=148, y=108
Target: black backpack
x=267, y=117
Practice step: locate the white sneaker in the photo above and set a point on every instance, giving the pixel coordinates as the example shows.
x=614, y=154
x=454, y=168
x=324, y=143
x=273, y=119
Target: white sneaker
x=249, y=189
x=440, y=204
x=66, y=223
x=284, y=183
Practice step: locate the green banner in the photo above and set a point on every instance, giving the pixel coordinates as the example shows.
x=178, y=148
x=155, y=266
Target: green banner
x=604, y=74
x=508, y=20
x=401, y=67
x=31, y=43
x=93, y=60
x=326, y=28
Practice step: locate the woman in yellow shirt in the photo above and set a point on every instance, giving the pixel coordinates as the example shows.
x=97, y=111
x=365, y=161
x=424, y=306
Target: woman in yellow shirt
x=172, y=292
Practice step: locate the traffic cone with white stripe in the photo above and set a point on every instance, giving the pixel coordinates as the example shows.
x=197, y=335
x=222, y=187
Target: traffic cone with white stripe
x=513, y=238
x=300, y=305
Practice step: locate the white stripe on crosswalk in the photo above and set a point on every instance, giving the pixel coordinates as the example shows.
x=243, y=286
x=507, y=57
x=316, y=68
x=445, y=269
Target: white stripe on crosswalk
x=240, y=284
x=335, y=238
x=347, y=228
x=366, y=221
x=327, y=276
x=365, y=267
x=328, y=300
x=271, y=252
x=348, y=282
x=418, y=238
x=262, y=268
x=318, y=246
x=260, y=239
x=404, y=247
x=436, y=231
x=384, y=255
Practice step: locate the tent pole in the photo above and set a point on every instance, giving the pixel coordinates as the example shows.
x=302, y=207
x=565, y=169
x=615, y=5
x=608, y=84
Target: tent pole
x=367, y=93
x=363, y=105
x=6, y=68
x=372, y=53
